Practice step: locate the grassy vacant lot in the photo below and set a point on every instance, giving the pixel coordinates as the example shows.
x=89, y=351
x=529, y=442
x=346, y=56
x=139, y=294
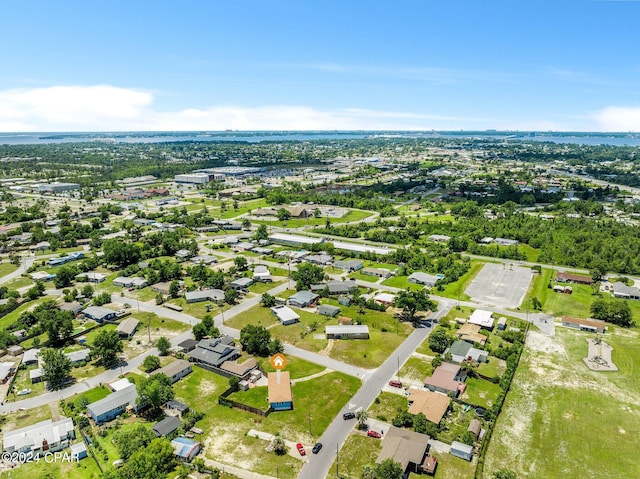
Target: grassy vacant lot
x=416, y=369
x=387, y=406
x=481, y=392
x=364, y=353
x=226, y=429
x=587, y=417
x=7, y=268
x=357, y=451
x=402, y=283
x=13, y=316
x=26, y=418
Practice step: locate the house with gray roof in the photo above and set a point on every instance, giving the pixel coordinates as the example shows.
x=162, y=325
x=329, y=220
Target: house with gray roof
x=214, y=352
x=77, y=357
x=285, y=314
x=349, y=265
x=319, y=259
x=167, y=426
x=621, y=290
x=303, y=299
x=113, y=405
x=127, y=328
x=215, y=295
x=241, y=283
x=336, y=287
x=98, y=313
x=426, y=279
x=462, y=350
x=175, y=370
x=40, y=437
x=328, y=310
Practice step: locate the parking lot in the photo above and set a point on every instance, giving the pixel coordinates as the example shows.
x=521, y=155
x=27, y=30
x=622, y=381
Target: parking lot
x=500, y=285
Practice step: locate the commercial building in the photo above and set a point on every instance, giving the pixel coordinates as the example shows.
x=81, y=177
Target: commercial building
x=57, y=187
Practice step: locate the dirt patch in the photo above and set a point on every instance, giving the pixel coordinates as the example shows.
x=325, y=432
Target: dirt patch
x=599, y=356
x=327, y=350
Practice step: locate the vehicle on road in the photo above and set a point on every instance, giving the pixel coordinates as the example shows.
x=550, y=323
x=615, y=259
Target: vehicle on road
x=375, y=434
x=395, y=383
x=317, y=447
x=348, y=415
x=24, y=392
x=301, y=450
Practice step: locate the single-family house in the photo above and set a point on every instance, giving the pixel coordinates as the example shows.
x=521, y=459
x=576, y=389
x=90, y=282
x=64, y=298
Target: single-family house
x=167, y=426
x=185, y=449
x=40, y=437
x=593, y=325
x=285, y=314
x=336, y=287
x=183, y=254
x=419, y=277
x=138, y=282
x=74, y=307
x=433, y=405
x=505, y=242
x=303, y=299
x=349, y=265
x=215, y=295
x=440, y=238
x=35, y=375
x=6, y=368
x=378, y=272
x=563, y=277
x=279, y=392
x=385, y=298
x=214, y=352
x=93, y=277
x=461, y=351
x=621, y=290
x=319, y=259
x=187, y=345
x=99, y=313
x=241, y=370
x=15, y=350
x=328, y=310
x=471, y=334
x=204, y=259
x=42, y=276
x=113, y=405
x=461, y=450
x=482, y=318
x=78, y=357
x=354, y=331
x=405, y=447
x=30, y=356
x=261, y=273
x=123, y=282
x=448, y=379
x=175, y=370
x=241, y=284
x=127, y=328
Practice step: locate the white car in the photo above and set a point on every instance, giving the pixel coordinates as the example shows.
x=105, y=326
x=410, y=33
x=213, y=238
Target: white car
x=24, y=392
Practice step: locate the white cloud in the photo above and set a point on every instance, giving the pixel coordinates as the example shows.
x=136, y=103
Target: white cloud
x=109, y=108
x=618, y=118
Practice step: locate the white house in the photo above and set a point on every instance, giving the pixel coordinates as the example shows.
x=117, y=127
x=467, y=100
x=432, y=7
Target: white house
x=482, y=318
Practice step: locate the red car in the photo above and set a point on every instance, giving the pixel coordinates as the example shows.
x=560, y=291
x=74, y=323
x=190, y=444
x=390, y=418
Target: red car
x=395, y=384
x=375, y=434
x=301, y=450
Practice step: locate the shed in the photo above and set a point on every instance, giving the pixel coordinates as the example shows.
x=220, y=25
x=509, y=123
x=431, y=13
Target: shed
x=185, y=449
x=474, y=427
x=461, y=450
x=502, y=324
x=78, y=451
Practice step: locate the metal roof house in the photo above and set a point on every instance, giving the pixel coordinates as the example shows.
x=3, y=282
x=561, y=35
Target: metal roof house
x=354, y=331
x=113, y=405
x=43, y=436
x=285, y=314
x=261, y=273
x=419, y=277
x=482, y=318
x=349, y=265
x=241, y=283
x=185, y=449
x=76, y=357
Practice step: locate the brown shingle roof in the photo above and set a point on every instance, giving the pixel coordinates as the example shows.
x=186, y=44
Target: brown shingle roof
x=433, y=405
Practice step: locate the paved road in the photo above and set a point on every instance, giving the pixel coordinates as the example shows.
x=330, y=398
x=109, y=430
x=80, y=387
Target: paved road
x=336, y=434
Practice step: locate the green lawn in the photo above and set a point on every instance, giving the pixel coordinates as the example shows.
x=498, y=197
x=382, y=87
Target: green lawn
x=494, y=367
x=23, y=381
x=260, y=287
x=587, y=415
x=84, y=469
x=416, y=369
x=456, y=289
x=7, y=268
x=576, y=304
x=387, y=405
x=13, y=316
x=298, y=368
x=450, y=467
x=19, y=282
x=481, y=392
x=254, y=397
x=226, y=429
x=357, y=451
x=402, y=283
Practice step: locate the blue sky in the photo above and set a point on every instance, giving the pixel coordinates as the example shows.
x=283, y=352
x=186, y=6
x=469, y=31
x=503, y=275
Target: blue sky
x=309, y=64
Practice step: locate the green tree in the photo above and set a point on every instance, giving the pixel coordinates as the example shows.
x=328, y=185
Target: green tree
x=369, y=471
x=283, y=215
x=261, y=233
x=120, y=253
x=55, y=367
x=154, y=391
x=420, y=422
x=468, y=438
x=174, y=289
x=267, y=300
x=279, y=447
x=57, y=324
x=152, y=462
x=151, y=363
x=413, y=301
x=255, y=340
x=306, y=275
x=240, y=262
x=389, y=469
x=107, y=345
x=129, y=440
x=87, y=291
x=439, y=340
x=362, y=417
x=65, y=276
x=164, y=345
x=102, y=299
x=231, y=296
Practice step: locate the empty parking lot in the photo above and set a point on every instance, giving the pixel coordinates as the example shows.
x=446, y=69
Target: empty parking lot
x=500, y=285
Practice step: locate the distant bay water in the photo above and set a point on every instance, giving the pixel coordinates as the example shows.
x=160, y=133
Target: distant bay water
x=614, y=139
